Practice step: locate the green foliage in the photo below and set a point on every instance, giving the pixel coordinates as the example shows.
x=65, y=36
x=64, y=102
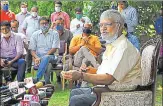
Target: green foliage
x=147, y=11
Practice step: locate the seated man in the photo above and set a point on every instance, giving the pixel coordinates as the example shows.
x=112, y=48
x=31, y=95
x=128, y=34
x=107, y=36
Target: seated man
x=65, y=35
x=12, y=51
x=121, y=61
x=85, y=47
x=43, y=45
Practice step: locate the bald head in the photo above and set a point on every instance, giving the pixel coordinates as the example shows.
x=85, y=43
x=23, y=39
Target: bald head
x=14, y=25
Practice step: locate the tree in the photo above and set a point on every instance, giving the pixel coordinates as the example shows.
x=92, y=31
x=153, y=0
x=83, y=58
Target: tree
x=147, y=11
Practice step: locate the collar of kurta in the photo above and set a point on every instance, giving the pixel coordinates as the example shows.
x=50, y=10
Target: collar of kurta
x=116, y=42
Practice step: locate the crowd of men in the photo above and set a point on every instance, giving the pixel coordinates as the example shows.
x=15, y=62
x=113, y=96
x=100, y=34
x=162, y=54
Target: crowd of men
x=27, y=38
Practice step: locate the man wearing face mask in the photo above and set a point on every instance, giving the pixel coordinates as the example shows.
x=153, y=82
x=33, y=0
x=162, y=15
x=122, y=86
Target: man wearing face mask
x=6, y=14
x=11, y=51
x=130, y=15
x=43, y=45
x=120, y=64
x=64, y=34
x=76, y=25
x=22, y=15
x=59, y=13
x=85, y=47
x=30, y=25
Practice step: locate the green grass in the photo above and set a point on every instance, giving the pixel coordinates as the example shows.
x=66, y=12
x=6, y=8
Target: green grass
x=61, y=98
x=159, y=97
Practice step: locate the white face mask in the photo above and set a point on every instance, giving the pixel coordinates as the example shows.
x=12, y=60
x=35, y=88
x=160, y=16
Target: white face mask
x=57, y=9
x=6, y=35
x=110, y=38
x=23, y=10
x=34, y=14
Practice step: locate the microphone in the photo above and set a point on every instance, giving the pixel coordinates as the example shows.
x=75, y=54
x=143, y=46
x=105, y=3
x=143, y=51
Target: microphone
x=20, y=84
x=6, y=89
x=32, y=89
x=16, y=96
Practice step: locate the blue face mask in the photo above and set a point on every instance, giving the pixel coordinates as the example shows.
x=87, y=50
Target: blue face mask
x=44, y=28
x=59, y=27
x=5, y=7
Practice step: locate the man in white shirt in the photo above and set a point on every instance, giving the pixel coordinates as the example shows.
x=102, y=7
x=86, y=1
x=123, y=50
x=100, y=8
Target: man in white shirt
x=76, y=25
x=130, y=15
x=22, y=15
x=30, y=25
x=121, y=61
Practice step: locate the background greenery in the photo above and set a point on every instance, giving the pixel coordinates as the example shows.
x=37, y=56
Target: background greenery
x=147, y=11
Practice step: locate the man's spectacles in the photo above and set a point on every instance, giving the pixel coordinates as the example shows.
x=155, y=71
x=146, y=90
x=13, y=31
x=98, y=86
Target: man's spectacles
x=7, y=28
x=43, y=23
x=106, y=24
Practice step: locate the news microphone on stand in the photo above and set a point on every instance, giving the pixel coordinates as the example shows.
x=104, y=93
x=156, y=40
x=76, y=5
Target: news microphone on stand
x=6, y=89
x=32, y=89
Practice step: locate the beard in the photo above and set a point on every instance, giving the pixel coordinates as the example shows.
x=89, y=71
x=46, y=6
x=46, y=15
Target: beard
x=109, y=38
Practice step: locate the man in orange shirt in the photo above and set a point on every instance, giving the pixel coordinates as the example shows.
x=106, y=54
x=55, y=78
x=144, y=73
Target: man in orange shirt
x=6, y=14
x=85, y=47
x=59, y=13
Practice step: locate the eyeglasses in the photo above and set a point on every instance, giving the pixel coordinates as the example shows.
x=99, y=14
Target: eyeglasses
x=7, y=28
x=43, y=23
x=106, y=24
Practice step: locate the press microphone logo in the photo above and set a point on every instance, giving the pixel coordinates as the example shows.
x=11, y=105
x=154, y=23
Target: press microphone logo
x=33, y=90
x=24, y=103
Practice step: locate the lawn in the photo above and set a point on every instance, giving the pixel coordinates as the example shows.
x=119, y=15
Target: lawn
x=60, y=98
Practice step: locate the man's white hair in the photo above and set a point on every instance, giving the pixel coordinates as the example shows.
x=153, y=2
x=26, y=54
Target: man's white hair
x=114, y=15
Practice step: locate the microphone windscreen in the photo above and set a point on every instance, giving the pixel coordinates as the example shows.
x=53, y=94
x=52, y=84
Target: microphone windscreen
x=40, y=84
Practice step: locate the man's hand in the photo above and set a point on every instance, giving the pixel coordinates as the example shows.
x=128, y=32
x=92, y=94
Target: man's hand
x=82, y=43
x=52, y=25
x=71, y=75
x=77, y=26
x=85, y=38
x=37, y=61
x=83, y=67
x=2, y=63
x=9, y=64
x=82, y=20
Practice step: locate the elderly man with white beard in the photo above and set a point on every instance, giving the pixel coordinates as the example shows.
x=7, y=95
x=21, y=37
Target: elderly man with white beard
x=120, y=64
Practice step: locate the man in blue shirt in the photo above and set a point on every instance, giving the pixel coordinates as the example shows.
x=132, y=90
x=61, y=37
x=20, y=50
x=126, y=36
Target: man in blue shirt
x=159, y=22
x=43, y=45
x=132, y=38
